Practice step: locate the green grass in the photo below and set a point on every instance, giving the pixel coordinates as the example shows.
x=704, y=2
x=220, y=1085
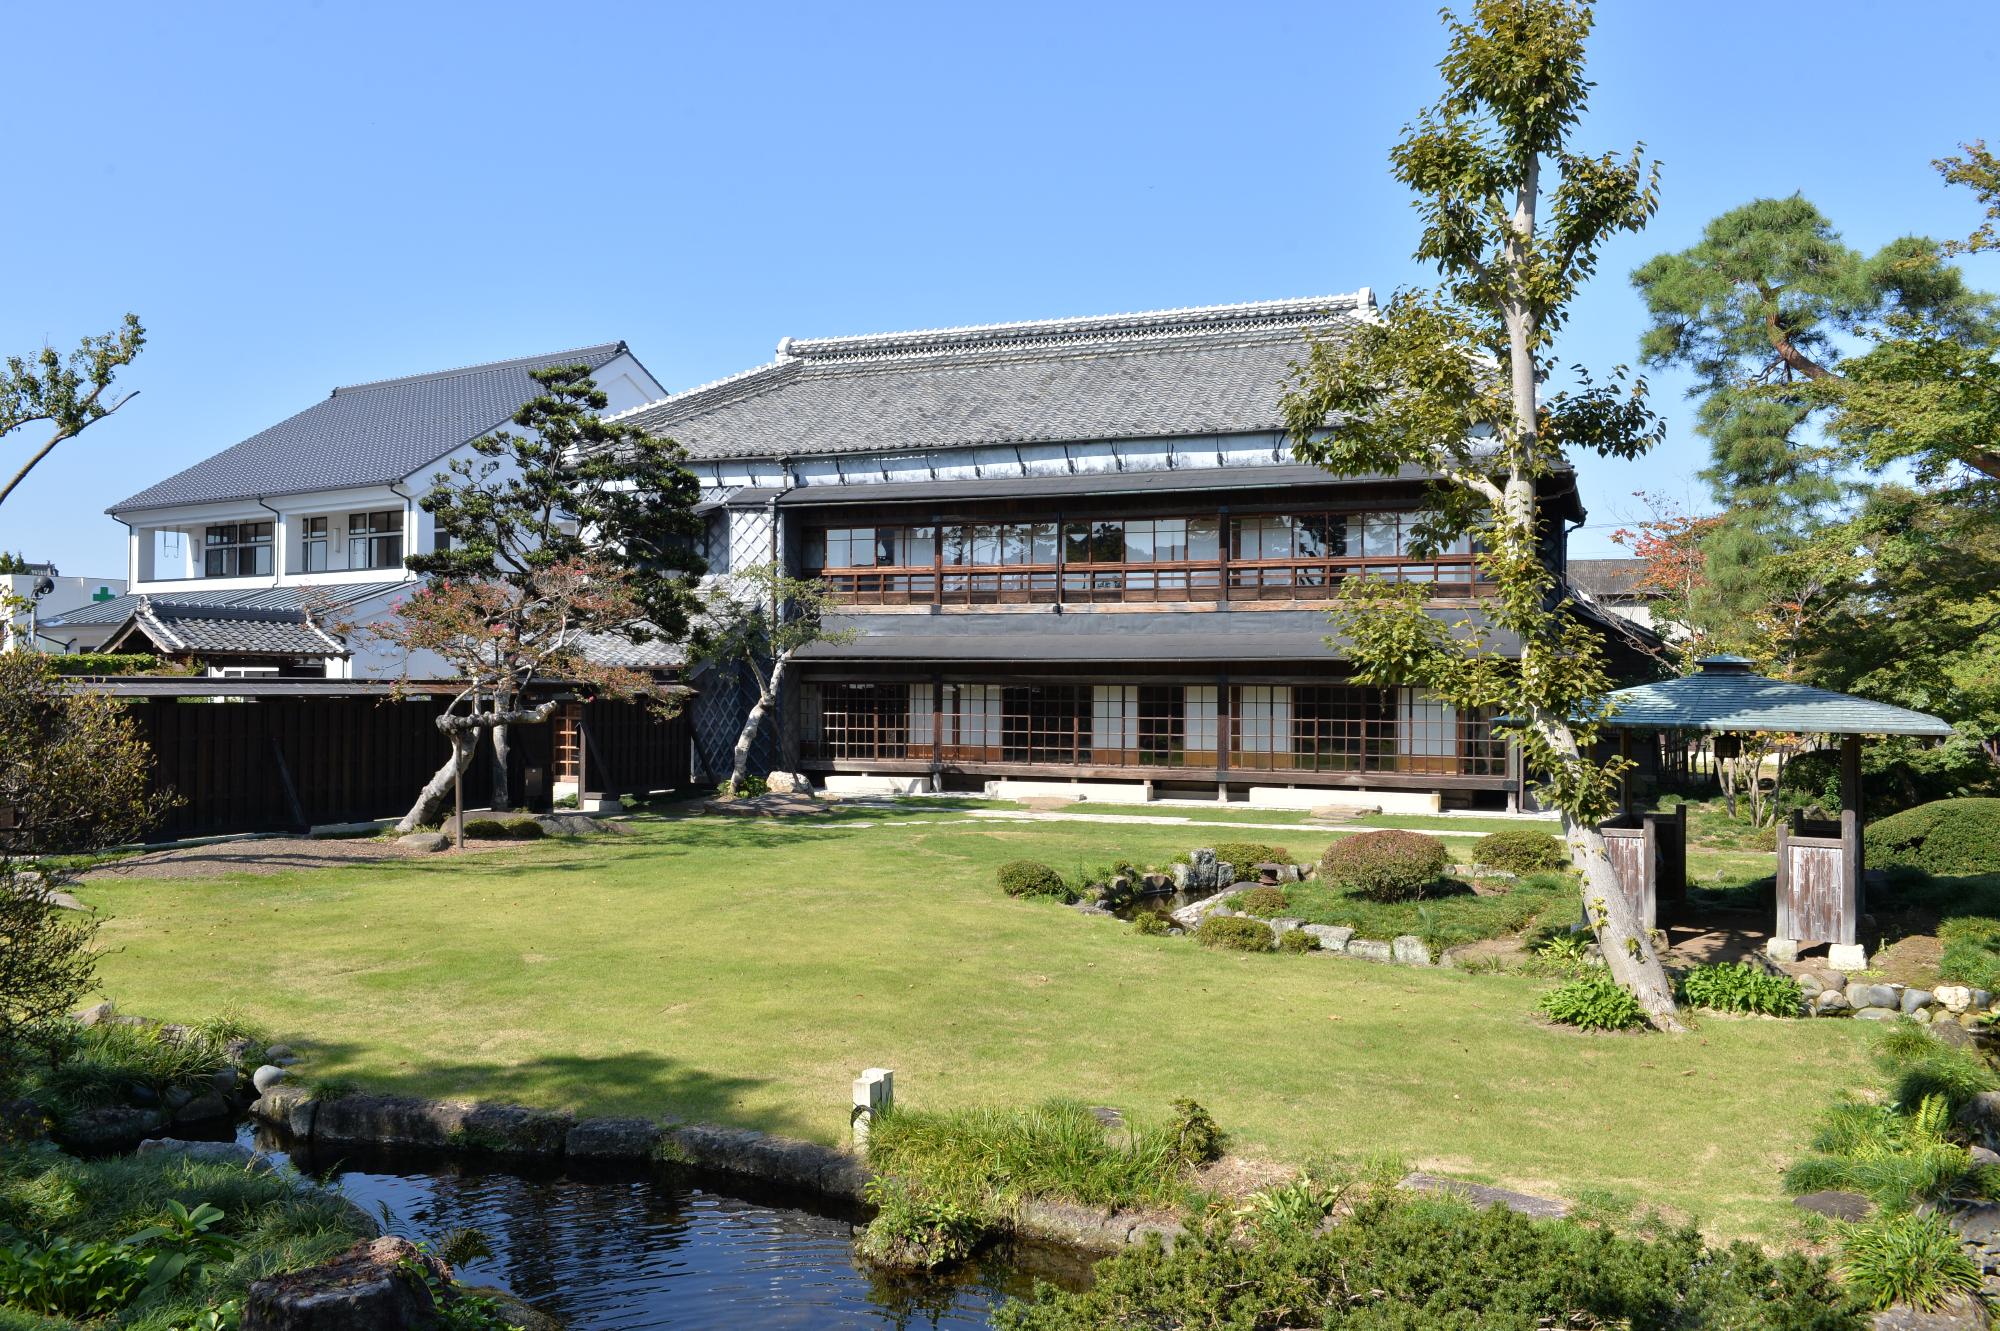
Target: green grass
x=744, y=970
x=1441, y=921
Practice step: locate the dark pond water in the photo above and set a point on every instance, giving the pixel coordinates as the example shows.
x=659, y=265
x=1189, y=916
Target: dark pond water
x=610, y=1250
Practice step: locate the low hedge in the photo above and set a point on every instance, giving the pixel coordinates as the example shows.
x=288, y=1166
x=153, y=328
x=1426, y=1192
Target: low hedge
x=1384, y=866
x=1235, y=933
x=1264, y=901
x=1521, y=850
x=512, y=829
x=1031, y=878
x=1948, y=837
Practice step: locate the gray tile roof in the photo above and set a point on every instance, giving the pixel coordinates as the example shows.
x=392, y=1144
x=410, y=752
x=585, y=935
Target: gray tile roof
x=316, y=596
x=1294, y=637
x=1614, y=579
x=229, y=630
x=365, y=434
x=1726, y=695
x=1217, y=369
x=611, y=649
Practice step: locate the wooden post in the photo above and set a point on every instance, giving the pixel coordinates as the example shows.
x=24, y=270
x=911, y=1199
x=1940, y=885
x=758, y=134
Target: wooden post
x=874, y=1093
x=1625, y=774
x=1850, y=834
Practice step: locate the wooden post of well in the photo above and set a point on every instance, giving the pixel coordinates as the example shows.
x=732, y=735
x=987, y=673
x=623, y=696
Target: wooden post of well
x=874, y=1093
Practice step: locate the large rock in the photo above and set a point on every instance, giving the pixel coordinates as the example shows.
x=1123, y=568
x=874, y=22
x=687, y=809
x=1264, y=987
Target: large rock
x=1849, y=1206
x=209, y=1153
x=1831, y=1002
x=1961, y=1314
x=96, y=1014
x=1981, y=1118
x=373, y=1286
x=1915, y=1000
x=396, y=1121
x=287, y=1105
x=788, y=783
x=1878, y=1014
x=1521, y=1203
x=1955, y=997
x=1370, y=949
x=1192, y=914
x=267, y=1076
x=1409, y=950
x=613, y=1139
x=1333, y=938
x=514, y=1310
x=1875, y=996
x=775, y=1159
x=427, y=842
x=107, y=1128
x=1953, y=1034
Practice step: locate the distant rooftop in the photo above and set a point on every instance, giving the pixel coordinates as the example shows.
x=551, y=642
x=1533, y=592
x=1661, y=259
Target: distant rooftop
x=1212, y=369
x=1612, y=579
x=366, y=434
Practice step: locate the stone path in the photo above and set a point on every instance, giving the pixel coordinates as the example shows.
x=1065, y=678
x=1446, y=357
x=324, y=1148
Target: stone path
x=1171, y=820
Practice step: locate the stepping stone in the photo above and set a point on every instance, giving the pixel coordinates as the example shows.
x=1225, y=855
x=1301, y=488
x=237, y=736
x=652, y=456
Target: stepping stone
x=1521, y=1203
x=1835, y=1205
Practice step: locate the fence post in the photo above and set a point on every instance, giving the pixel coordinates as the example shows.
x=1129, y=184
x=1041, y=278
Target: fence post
x=874, y=1093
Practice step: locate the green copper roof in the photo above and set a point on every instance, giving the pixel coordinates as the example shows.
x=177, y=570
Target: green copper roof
x=1725, y=695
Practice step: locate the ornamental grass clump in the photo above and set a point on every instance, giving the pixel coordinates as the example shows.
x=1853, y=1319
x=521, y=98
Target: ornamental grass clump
x=1520, y=850
x=1297, y=940
x=1593, y=1003
x=1245, y=856
x=1384, y=866
x=1908, y=1259
x=1739, y=987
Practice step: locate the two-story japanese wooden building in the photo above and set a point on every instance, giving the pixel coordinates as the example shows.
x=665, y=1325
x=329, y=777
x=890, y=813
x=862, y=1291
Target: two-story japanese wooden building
x=1079, y=551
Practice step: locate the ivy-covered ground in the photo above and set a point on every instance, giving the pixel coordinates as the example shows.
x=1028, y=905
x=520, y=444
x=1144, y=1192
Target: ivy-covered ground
x=742, y=971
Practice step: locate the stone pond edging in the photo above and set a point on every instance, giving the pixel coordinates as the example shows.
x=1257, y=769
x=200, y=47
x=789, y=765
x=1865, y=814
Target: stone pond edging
x=1335, y=940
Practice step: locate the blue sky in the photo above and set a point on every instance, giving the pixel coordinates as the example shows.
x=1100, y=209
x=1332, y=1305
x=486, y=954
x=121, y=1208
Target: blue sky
x=299, y=196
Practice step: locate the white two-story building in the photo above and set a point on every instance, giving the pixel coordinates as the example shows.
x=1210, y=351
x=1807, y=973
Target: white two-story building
x=249, y=560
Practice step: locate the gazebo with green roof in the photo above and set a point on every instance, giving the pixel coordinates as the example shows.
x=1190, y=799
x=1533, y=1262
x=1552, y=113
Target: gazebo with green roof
x=1820, y=863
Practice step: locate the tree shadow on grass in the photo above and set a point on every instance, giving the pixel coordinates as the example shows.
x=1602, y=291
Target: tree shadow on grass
x=638, y=1084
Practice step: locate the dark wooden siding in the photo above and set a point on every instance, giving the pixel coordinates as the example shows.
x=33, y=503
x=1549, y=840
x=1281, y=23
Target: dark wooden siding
x=279, y=764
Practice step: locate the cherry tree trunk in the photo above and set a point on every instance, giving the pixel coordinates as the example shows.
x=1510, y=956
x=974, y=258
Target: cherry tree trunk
x=1621, y=935
x=436, y=796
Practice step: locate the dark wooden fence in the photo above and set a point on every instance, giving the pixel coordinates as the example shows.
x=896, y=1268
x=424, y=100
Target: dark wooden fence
x=285, y=763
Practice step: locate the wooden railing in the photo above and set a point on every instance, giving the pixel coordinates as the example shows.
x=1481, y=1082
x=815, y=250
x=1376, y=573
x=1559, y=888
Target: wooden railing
x=1079, y=584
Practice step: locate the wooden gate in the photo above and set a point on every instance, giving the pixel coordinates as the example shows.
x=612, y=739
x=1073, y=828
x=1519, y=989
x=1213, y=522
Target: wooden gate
x=1818, y=896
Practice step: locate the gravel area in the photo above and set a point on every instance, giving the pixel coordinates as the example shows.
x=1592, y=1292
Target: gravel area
x=268, y=855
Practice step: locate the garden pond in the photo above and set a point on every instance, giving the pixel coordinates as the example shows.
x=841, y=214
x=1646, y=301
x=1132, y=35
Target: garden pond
x=615, y=1250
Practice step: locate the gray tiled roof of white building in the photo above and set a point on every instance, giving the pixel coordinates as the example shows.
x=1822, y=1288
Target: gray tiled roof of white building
x=1218, y=369
x=319, y=596
x=366, y=434
x=233, y=629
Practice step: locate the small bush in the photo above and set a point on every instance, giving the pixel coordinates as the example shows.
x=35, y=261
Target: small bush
x=1384, y=866
x=1742, y=988
x=1234, y=933
x=1521, y=850
x=495, y=829
x=1151, y=922
x=1910, y=1259
x=1197, y=1138
x=1264, y=901
x=1245, y=856
x=1946, y=837
x=1297, y=940
x=1029, y=878
x=918, y=1231
x=1594, y=1003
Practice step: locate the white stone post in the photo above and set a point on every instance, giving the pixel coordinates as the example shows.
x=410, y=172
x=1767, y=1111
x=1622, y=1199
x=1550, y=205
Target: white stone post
x=874, y=1093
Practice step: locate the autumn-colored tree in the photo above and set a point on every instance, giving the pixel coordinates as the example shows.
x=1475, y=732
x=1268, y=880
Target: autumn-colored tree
x=1448, y=380
x=504, y=639
x=1673, y=569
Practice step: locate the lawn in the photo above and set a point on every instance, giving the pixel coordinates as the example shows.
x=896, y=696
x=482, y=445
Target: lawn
x=1443, y=919
x=744, y=971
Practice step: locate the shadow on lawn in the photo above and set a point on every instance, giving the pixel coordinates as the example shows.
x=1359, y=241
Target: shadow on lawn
x=639, y=1084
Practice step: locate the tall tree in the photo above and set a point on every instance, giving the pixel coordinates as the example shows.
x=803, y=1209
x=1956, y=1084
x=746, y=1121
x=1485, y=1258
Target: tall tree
x=1760, y=311
x=565, y=488
x=67, y=396
x=1448, y=380
x=504, y=636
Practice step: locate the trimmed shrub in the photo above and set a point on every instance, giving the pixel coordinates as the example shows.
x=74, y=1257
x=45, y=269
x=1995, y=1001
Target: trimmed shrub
x=1739, y=987
x=1151, y=922
x=1593, y=1003
x=1521, y=850
x=916, y=1231
x=1946, y=837
x=1235, y=933
x=1384, y=866
x=1031, y=878
x=1898, y=771
x=1245, y=856
x=1297, y=940
x=1264, y=901
x=1910, y=1259
x=495, y=829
